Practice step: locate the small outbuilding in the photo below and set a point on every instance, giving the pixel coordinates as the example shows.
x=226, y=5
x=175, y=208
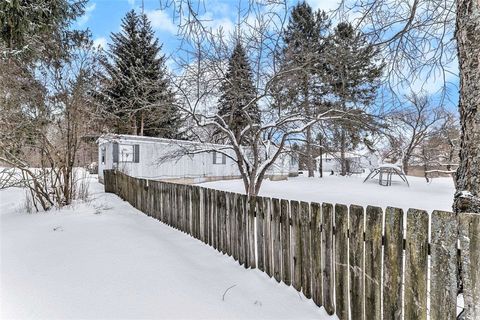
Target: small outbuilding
x=177, y=160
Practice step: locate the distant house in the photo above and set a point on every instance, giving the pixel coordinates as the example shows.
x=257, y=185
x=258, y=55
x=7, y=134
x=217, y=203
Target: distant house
x=168, y=159
x=357, y=162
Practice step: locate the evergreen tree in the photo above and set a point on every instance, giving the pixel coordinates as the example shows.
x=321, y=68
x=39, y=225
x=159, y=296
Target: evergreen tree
x=237, y=94
x=301, y=60
x=136, y=89
x=352, y=79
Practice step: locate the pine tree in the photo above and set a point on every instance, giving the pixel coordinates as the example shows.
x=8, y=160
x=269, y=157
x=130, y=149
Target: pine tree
x=237, y=105
x=352, y=79
x=301, y=59
x=136, y=89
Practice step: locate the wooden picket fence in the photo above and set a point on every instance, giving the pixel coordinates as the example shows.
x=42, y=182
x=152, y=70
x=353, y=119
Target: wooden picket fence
x=355, y=262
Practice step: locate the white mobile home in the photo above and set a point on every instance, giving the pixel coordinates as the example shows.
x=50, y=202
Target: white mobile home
x=168, y=159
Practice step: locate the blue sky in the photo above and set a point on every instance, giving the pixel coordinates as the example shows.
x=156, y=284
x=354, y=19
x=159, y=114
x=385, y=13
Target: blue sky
x=103, y=17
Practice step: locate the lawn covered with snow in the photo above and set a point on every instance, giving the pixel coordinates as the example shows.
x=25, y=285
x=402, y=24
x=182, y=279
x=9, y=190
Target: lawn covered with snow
x=104, y=259
x=436, y=195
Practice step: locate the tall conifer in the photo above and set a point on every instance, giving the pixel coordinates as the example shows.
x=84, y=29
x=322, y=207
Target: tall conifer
x=301, y=60
x=237, y=105
x=136, y=89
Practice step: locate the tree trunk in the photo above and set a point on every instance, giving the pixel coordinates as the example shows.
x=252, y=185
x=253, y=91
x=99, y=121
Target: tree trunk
x=425, y=164
x=134, y=125
x=142, y=122
x=343, y=166
x=405, y=161
x=467, y=196
x=320, y=163
x=308, y=152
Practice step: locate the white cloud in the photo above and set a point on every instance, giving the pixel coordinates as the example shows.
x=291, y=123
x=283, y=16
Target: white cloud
x=86, y=16
x=216, y=23
x=131, y=2
x=161, y=21
x=325, y=5
x=100, y=42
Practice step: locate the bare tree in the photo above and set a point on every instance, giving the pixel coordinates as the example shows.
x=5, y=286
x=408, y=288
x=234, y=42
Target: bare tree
x=41, y=129
x=412, y=125
x=259, y=145
x=438, y=154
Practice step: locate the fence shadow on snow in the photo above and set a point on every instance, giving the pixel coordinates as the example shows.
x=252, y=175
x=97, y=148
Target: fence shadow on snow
x=350, y=260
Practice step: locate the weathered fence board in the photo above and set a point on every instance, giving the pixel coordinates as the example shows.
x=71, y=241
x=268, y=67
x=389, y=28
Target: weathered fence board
x=416, y=253
x=277, y=268
x=392, y=263
x=327, y=260
x=267, y=234
x=296, y=246
x=206, y=204
x=443, y=280
x=245, y=231
x=214, y=232
x=316, y=231
x=233, y=226
x=341, y=261
x=240, y=229
x=260, y=236
x=306, y=247
x=251, y=231
x=221, y=220
x=373, y=262
x=469, y=229
x=228, y=221
x=285, y=239
x=356, y=261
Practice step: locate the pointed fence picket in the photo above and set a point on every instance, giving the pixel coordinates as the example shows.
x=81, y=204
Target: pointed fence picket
x=359, y=264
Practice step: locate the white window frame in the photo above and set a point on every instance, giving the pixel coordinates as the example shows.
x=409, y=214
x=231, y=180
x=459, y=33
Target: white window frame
x=219, y=158
x=126, y=153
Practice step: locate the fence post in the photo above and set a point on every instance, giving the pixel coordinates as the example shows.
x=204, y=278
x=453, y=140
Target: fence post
x=469, y=232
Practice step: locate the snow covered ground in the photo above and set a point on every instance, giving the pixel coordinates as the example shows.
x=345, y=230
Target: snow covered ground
x=437, y=195
x=105, y=259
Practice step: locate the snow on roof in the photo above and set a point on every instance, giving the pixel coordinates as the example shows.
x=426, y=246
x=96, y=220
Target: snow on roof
x=133, y=138
x=337, y=155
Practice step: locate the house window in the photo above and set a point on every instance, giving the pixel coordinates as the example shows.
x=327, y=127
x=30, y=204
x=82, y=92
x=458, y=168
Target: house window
x=219, y=158
x=102, y=155
x=129, y=153
x=125, y=153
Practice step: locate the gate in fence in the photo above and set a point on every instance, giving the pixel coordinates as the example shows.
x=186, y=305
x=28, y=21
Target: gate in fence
x=355, y=262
